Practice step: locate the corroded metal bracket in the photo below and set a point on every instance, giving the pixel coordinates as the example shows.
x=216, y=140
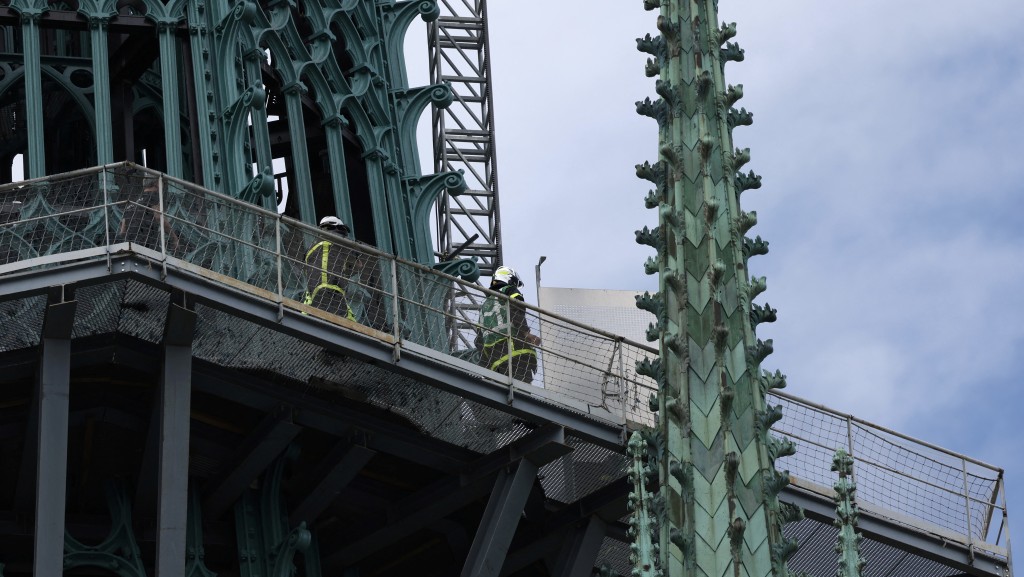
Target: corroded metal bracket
x=267, y=545
x=195, y=554
x=119, y=552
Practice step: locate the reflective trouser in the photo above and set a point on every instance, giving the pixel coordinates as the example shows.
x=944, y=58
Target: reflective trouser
x=524, y=360
x=330, y=299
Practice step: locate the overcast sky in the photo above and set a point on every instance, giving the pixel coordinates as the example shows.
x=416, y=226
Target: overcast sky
x=888, y=135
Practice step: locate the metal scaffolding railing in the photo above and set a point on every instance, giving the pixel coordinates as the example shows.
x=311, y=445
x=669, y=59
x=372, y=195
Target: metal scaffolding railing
x=93, y=213
x=903, y=479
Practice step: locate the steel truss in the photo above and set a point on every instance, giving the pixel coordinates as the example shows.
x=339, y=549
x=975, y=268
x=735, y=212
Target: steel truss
x=463, y=133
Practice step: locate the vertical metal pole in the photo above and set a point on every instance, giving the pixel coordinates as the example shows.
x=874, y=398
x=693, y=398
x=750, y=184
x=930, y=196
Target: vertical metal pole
x=300, y=181
x=540, y=324
x=166, y=31
x=101, y=88
x=160, y=206
x=106, y=216
x=849, y=447
x=160, y=215
x=508, y=350
x=967, y=503
x=580, y=549
x=199, y=85
x=540, y=261
x=500, y=520
x=34, y=95
x=175, y=399
x=395, y=324
x=334, y=131
x=623, y=389
x=1006, y=522
x=992, y=504
x=280, y=272
x=52, y=394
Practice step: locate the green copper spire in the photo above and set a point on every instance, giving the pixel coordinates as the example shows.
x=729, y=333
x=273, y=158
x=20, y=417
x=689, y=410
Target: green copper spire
x=643, y=529
x=848, y=544
x=719, y=512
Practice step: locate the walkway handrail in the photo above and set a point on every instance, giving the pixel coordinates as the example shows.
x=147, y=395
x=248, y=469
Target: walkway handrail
x=869, y=424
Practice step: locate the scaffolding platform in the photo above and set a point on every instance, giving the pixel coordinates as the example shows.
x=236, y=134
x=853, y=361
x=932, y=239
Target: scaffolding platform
x=407, y=435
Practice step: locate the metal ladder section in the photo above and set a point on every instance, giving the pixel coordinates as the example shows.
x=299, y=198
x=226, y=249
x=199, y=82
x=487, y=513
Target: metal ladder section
x=463, y=134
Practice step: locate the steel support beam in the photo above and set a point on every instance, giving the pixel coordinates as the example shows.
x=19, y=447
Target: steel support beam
x=25, y=488
x=580, y=552
x=606, y=504
x=253, y=392
x=420, y=510
x=542, y=446
x=449, y=495
x=455, y=534
x=345, y=462
x=175, y=398
x=52, y=395
x=546, y=544
x=146, y=485
x=256, y=453
x=504, y=508
x=332, y=419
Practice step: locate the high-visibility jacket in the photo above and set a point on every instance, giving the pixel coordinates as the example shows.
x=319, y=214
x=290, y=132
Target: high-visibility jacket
x=327, y=263
x=504, y=328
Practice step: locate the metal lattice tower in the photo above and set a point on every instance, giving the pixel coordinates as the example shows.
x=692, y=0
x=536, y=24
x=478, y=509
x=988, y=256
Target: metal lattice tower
x=463, y=134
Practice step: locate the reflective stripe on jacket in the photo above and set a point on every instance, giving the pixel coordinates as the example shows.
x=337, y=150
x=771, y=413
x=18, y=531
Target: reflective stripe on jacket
x=503, y=322
x=330, y=267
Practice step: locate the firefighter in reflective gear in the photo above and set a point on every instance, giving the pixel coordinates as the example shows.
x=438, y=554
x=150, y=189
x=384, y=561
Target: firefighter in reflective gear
x=328, y=262
x=506, y=335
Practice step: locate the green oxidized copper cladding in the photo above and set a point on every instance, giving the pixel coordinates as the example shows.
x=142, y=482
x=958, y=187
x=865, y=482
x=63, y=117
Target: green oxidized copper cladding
x=643, y=526
x=848, y=543
x=718, y=505
x=195, y=552
x=118, y=552
x=235, y=95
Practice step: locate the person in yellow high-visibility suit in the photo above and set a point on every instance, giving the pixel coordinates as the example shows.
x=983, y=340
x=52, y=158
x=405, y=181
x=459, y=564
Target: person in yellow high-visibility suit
x=327, y=263
x=506, y=334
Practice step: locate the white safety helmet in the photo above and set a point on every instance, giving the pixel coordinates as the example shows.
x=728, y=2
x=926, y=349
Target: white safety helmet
x=506, y=275
x=334, y=223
